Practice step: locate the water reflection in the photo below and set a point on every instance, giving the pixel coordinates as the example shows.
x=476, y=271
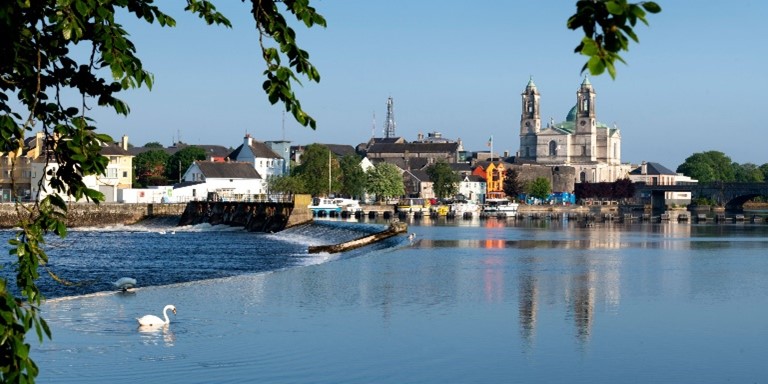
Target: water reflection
x=157, y=335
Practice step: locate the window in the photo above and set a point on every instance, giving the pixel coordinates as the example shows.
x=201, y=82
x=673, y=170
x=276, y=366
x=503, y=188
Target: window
x=112, y=173
x=125, y=173
x=553, y=148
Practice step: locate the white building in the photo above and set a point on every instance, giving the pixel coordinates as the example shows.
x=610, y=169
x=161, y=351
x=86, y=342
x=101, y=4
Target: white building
x=228, y=180
x=656, y=174
x=263, y=159
x=473, y=188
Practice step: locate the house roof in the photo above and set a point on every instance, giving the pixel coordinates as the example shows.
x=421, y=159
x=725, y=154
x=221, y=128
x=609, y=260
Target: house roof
x=227, y=170
x=475, y=178
x=419, y=175
x=257, y=148
x=653, y=169
x=340, y=150
x=414, y=148
x=114, y=150
x=210, y=150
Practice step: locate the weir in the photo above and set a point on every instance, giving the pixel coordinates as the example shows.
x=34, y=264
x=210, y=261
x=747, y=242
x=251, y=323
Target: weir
x=271, y=214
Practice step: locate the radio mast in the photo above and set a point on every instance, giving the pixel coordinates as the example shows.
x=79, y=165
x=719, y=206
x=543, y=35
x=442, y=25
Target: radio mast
x=389, y=124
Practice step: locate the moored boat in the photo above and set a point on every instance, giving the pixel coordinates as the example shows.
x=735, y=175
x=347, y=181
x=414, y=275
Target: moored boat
x=465, y=209
x=409, y=205
x=499, y=208
x=324, y=206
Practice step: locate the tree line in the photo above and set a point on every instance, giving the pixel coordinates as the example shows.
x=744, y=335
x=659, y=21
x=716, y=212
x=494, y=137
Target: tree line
x=717, y=166
x=157, y=167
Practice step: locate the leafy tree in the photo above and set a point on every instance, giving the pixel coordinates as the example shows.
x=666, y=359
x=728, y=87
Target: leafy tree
x=764, y=169
x=540, y=188
x=445, y=182
x=154, y=145
x=40, y=66
x=512, y=186
x=747, y=173
x=615, y=19
x=149, y=167
x=314, y=168
x=352, y=176
x=708, y=166
x=286, y=184
x=180, y=161
x=385, y=181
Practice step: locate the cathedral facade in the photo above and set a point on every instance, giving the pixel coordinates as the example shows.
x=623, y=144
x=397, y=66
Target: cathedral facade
x=592, y=148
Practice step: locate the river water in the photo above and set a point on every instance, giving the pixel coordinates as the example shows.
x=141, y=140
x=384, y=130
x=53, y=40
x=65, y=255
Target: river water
x=465, y=302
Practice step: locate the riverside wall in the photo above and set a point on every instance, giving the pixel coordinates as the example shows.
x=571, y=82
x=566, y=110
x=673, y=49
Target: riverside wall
x=262, y=216
x=101, y=215
x=254, y=216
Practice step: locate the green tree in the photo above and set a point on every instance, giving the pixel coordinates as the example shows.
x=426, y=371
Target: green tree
x=764, y=169
x=540, y=188
x=513, y=187
x=385, y=181
x=352, y=176
x=179, y=162
x=445, y=182
x=747, y=173
x=154, y=145
x=41, y=68
x=149, y=168
x=316, y=162
x=286, y=184
x=708, y=166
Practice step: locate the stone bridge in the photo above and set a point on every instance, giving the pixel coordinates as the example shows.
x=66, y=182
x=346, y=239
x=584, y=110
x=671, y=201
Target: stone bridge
x=732, y=195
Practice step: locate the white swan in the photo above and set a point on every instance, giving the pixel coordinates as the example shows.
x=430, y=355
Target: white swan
x=124, y=283
x=152, y=320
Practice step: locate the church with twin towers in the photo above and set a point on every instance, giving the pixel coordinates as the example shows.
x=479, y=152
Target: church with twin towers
x=592, y=148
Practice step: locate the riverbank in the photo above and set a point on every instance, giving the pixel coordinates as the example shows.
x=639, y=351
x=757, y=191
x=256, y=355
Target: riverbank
x=93, y=215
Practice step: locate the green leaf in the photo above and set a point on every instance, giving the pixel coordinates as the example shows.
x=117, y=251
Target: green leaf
x=596, y=65
x=589, y=47
x=651, y=6
x=614, y=8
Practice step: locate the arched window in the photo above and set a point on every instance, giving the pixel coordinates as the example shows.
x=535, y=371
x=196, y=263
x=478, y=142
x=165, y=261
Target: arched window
x=553, y=148
x=583, y=177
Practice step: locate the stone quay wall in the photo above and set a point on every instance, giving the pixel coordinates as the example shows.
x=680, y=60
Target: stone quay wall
x=255, y=216
x=104, y=214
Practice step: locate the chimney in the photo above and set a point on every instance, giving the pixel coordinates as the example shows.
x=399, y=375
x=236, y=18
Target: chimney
x=506, y=153
x=644, y=168
x=124, y=142
x=248, y=140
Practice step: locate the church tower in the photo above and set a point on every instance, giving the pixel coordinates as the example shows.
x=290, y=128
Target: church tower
x=530, y=122
x=585, y=135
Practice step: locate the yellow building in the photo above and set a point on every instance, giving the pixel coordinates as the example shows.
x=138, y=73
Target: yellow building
x=21, y=172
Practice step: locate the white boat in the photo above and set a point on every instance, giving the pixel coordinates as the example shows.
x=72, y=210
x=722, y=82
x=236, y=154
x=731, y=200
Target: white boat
x=465, y=208
x=348, y=205
x=499, y=208
x=325, y=206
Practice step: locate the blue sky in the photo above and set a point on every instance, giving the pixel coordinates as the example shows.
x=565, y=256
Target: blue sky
x=696, y=81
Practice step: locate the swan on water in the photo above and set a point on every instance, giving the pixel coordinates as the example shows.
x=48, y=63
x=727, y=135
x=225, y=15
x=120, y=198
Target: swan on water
x=152, y=320
x=125, y=283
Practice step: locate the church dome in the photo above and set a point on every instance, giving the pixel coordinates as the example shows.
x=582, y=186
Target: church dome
x=571, y=115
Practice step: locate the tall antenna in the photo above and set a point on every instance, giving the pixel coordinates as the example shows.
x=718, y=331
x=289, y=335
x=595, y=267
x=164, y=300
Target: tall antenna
x=283, y=125
x=389, y=124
